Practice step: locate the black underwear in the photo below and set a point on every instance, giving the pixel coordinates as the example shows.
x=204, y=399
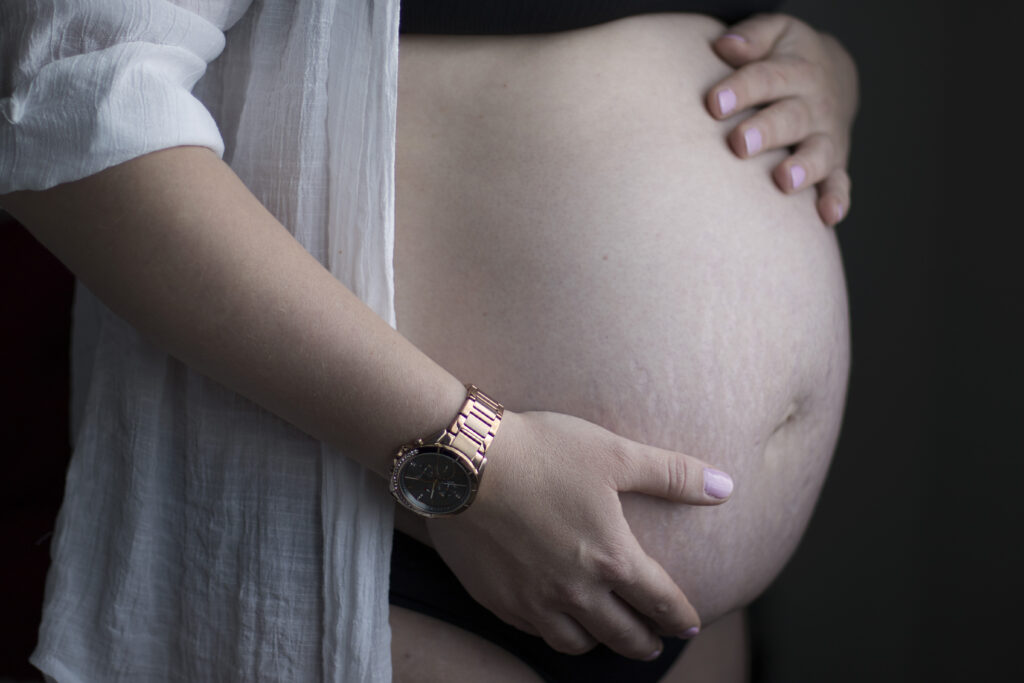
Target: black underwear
x=422, y=582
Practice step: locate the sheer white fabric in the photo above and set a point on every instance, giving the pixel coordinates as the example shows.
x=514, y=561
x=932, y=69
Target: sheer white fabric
x=203, y=538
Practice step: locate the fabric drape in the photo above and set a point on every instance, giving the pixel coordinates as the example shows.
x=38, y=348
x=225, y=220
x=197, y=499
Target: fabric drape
x=201, y=537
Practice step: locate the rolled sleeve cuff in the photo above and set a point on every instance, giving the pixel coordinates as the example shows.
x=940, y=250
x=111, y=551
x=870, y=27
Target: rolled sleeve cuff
x=79, y=114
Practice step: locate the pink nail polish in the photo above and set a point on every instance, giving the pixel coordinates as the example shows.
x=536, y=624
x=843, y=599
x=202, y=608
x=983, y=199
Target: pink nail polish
x=839, y=212
x=726, y=101
x=735, y=36
x=717, y=484
x=752, y=139
x=797, y=174
x=690, y=632
x=654, y=655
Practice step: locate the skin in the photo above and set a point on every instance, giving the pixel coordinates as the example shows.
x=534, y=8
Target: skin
x=482, y=129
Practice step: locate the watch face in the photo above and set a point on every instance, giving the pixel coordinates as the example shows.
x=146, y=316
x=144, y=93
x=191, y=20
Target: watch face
x=434, y=480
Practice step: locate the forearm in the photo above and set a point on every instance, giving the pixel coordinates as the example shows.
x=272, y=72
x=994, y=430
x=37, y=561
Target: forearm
x=175, y=244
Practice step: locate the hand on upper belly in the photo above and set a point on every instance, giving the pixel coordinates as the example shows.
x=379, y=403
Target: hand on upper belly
x=807, y=84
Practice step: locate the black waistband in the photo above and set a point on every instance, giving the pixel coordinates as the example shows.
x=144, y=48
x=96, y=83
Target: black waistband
x=422, y=582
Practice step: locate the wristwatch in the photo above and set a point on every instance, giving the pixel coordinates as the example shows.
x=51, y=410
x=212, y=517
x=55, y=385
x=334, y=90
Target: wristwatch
x=439, y=476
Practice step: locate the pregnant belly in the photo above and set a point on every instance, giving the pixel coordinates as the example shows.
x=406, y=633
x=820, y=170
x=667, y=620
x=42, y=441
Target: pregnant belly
x=574, y=235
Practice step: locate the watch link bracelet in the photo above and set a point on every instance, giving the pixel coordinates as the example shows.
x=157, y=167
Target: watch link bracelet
x=439, y=476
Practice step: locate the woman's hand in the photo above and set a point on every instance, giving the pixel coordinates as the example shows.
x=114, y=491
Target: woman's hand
x=807, y=84
x=546, y=547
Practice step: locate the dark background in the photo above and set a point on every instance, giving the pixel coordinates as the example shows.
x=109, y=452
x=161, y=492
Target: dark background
x=908, y=571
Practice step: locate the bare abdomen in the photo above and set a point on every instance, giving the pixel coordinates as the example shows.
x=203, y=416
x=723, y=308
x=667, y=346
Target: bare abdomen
x=574, y=235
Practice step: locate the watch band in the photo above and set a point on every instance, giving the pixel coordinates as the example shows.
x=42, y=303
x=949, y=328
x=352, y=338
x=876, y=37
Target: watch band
x=474, y=427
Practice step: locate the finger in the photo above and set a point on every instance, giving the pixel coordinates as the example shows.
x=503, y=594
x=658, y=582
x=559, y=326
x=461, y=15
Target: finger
x=814, y=158
x=616, y=625
x=834, y=197
x=761, y=82
x=674, y=476
x=646, y=587
x=780, y=125
x=564, y=634
x=751, y=39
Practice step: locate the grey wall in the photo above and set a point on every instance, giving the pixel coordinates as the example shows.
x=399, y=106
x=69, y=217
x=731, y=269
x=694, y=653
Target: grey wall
x=908, y=570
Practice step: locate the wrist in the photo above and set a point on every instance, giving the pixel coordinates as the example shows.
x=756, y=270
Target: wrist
x=439, y=475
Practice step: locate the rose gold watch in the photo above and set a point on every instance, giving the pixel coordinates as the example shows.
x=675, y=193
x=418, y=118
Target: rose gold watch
x=439, y=476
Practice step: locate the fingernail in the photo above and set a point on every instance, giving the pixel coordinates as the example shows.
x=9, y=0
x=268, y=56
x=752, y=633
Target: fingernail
x=797, y=175
x=654, y=655
x=690, y=632
x=735, y=36
x=726, y=100
x=717, y=484
x=752, y=139
x=839, y=212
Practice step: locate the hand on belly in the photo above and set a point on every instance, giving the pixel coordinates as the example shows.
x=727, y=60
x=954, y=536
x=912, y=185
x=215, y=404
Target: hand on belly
x=562, y=562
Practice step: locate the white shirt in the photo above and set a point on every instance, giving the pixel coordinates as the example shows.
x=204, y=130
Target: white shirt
x=201, y=537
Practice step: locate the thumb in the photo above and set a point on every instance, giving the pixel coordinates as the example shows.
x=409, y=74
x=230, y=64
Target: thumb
x=751, y=39
x=675, y=476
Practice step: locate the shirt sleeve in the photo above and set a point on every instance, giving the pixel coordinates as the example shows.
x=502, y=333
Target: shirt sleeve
x=87, y=84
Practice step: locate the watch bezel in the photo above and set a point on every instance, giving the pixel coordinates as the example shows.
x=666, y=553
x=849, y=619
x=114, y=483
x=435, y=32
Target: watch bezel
x=413, y=451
